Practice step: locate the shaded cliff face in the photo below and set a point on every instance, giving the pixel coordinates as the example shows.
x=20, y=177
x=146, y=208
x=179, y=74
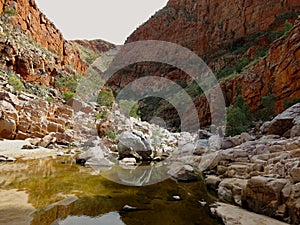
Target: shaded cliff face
x=230, y=36
x=25, y=17
x=91, y=49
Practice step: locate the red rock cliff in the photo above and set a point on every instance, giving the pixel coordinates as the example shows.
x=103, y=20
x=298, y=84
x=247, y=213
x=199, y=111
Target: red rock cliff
x=27, y=17
x=208, y=26
x=226, y=34
x=277, y=73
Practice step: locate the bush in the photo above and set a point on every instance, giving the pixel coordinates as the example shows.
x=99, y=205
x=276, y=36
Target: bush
x=240, y=103
x=111, y=134
x=69, y=82
x=237, y=68
x=289, y=103
x=105, y=98
x=280, y=33
x=267, y=111
x=68, y=95
x=14, y=81
x=261, y=51
x=268, y=102
x=10, y=11
x=129, y=108
x=237, y=122
x=49, y=99
x=102, y=115
x=238, y=117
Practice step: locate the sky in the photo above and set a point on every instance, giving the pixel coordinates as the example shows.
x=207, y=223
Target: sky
x=110, y=20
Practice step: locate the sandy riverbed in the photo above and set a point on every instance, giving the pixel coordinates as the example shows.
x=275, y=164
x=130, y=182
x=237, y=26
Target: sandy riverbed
x=13, y=148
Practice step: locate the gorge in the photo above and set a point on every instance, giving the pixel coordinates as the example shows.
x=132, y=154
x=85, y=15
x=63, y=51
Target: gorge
x=71, y=152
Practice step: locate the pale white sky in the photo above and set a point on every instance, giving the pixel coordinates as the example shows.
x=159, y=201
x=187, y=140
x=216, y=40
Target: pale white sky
x=110, y=20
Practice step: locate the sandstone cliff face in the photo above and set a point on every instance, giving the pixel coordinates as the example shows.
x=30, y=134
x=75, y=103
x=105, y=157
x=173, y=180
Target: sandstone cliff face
x=228, y=35
x=208, y=27
x=278, y=73
x=91, y=49
x=25, y=17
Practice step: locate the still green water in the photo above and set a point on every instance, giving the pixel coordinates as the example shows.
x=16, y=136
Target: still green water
x=68, y=194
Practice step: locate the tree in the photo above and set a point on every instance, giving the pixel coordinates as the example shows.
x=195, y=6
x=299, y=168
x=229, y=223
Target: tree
x=238, y=117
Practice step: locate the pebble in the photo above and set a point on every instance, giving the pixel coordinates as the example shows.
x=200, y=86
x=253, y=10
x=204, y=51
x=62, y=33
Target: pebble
x=176, y=197
x=202, y=203
x=60, y=153
x=128, y=208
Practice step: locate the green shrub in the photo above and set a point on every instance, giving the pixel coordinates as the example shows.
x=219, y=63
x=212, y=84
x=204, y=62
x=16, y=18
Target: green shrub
x=261, y=51
x=49, y=99
x=10, y=11
x=111, y=134
x=241, y=64
x=225, y=72
x=237, y=121
x=268, y=108
x=240, y=102
x=129, y=108
x=272, y=36
x=70, y=82
x=102, y=115
x=289, y=103
x=14, y=81
x=237, y=68
x=68, y=95
x=238, y=117
x=105, y=98
x=193, y=90
x=268, y=102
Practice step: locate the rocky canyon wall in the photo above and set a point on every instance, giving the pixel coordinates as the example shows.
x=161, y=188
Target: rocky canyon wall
x=25, y=17
x=236, y=36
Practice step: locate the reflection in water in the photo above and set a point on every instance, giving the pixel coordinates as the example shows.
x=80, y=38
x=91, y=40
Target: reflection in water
x=62, y=192
x=112, y=218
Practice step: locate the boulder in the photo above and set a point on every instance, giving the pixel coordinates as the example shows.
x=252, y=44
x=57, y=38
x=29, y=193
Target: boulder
x=246, y=137
x=230, y=215
x=209, y=161
x=227, y=143
x=231, y=190
x=295, y=131
x=135, y=144
x=295, y=174
x=283, y=122
x=265, y=127
x=92, y=142
x=214, y=142
x=183, y=173
x=212, y=182
x=78, y=105
x=47, y=140
x=8, y=120
x=94, y=157
x=7, y=128
x=263, y=194
x=8, y=110
x=291, y=193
